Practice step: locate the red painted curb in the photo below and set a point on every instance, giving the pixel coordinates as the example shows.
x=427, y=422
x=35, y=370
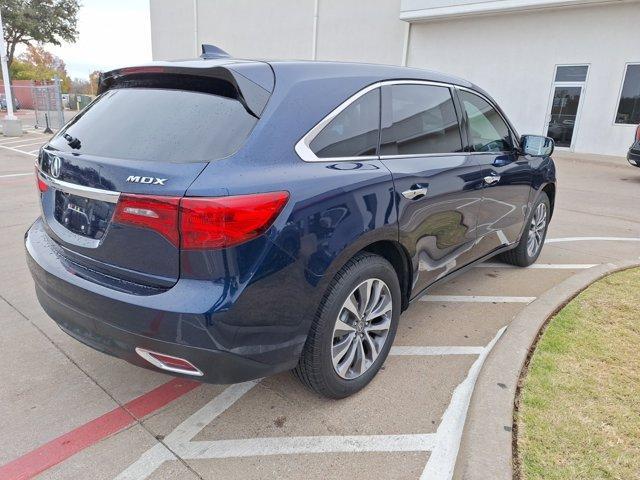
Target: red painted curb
x=59, y=449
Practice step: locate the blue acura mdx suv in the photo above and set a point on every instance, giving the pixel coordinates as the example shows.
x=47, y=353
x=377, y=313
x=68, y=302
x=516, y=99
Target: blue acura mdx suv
x=227, y=219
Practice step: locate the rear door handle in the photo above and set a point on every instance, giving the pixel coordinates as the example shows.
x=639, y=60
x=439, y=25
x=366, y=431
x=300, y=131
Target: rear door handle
x=491, y=179
x=415, y=192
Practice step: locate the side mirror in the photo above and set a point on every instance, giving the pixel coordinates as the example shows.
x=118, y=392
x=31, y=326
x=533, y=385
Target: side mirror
x=537, y=145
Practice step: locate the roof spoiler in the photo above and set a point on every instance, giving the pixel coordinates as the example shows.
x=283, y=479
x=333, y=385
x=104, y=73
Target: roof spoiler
x=211, y=51
x=236, y=82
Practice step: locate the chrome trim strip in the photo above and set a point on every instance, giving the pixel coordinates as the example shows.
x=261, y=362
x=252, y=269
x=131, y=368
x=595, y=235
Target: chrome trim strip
x=422, y=155
x=146, y=354
x=302, y=147
x=80, y=190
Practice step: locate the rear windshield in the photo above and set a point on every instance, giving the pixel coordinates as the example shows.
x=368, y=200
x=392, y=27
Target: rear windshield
x=160, y=125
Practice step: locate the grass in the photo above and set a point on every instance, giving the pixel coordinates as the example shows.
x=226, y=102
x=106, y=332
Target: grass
x=579, y=405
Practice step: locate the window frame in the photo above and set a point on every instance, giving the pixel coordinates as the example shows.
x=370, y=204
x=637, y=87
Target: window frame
x=515, y=138
x=560, y=65
x=335, y=115
x=456, y=109
x=583, y=92
x=306, y=154
x=619, y=97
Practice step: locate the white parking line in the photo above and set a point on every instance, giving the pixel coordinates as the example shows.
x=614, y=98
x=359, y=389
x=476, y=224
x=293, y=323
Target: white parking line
x=449, y=434
x=183, y=433
x=11, y=141
x=475, y=299
x=35, y=142
x=435, y=351
x=535, y=266
x=180, y=440
x=592, y=239
x=16, y=175
x=258, y=447
x=18, y=151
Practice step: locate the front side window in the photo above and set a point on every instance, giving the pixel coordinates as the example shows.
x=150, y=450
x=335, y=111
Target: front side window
x=629, y=106
x=353, y=132
x=488, y=132
x=422, y=121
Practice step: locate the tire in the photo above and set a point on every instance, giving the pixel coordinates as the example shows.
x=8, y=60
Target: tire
x=329, y=336
x=522, y=255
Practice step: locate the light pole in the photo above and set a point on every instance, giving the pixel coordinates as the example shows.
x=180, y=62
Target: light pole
x=11, y=126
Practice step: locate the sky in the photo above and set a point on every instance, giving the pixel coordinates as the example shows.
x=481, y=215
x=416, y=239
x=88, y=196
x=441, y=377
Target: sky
x=113, y=33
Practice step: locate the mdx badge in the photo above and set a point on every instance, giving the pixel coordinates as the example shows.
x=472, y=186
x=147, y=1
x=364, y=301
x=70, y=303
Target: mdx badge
x=147, y=180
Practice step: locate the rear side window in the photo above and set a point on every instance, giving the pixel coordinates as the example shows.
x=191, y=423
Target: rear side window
x=353, y=132
x=423, y=121
x=488, y=132
x=160, y=125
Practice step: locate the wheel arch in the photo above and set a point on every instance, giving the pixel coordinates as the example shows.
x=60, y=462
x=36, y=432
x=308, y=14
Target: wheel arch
x=550, y=190
x=397, y=256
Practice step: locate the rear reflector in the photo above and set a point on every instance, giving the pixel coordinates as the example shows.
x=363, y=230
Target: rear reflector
x=169, y=362
x=152, y=212
x=202, y=223
x=42, y=186
x=227, y=221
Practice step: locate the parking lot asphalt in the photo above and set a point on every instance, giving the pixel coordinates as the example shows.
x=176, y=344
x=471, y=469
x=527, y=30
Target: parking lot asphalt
x=67, y=411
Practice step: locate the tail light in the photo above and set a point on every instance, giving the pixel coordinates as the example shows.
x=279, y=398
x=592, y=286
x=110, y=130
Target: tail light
x=146, y=211
x=42, y=186
x=638, y=134
x=227, y=221
x=202, y=223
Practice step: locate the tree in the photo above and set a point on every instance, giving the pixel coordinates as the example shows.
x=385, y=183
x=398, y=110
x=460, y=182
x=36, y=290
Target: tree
x=42, y=21
x=93, y=80
x=38, y=64
x=78, y=86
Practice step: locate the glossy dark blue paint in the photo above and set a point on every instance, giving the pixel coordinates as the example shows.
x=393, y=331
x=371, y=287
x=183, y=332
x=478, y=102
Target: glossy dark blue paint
x=245, y=311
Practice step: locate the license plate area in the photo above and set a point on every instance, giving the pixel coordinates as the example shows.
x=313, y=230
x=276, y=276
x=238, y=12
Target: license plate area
x=83, y=216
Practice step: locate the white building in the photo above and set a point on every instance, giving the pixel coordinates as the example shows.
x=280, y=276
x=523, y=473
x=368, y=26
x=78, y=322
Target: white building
x=567, y=68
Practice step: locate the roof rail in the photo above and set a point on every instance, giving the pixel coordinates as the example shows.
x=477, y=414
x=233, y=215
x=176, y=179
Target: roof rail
x=211, y=51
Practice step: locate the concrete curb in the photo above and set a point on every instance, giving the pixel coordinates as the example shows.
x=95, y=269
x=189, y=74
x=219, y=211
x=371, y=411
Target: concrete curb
x=486, y=449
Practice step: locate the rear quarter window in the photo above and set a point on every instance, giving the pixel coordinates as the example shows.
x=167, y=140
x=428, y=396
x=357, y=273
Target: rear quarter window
x=353, y=132
x=160, y=125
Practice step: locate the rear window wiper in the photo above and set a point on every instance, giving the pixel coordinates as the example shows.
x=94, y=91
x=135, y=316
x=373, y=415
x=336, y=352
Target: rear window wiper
x=72, y=141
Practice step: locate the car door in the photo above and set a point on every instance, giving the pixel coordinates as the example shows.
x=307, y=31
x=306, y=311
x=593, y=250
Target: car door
x=506, y=174
x=438, y=186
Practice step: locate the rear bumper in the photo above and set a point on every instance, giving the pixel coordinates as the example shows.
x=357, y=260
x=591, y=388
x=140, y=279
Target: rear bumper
x=633, y=157
x=180, y=322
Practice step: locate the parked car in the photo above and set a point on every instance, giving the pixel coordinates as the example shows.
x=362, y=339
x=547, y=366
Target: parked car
x=230, y=219
x=634, y=151
x=3, y=103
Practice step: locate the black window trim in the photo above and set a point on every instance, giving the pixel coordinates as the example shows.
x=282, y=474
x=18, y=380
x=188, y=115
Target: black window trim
x=619, y=97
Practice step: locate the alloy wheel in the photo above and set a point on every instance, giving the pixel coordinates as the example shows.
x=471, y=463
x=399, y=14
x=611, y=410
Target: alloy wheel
x=362, y=328
x=537, y=229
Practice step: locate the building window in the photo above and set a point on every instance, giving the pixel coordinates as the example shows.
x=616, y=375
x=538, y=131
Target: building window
x=572, y=73
x=629, y=106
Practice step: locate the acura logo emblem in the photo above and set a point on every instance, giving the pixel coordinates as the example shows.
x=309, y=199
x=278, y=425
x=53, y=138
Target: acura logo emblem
x=56, y=164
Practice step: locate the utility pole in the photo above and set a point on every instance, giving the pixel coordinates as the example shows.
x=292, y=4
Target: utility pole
x=11, y=126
